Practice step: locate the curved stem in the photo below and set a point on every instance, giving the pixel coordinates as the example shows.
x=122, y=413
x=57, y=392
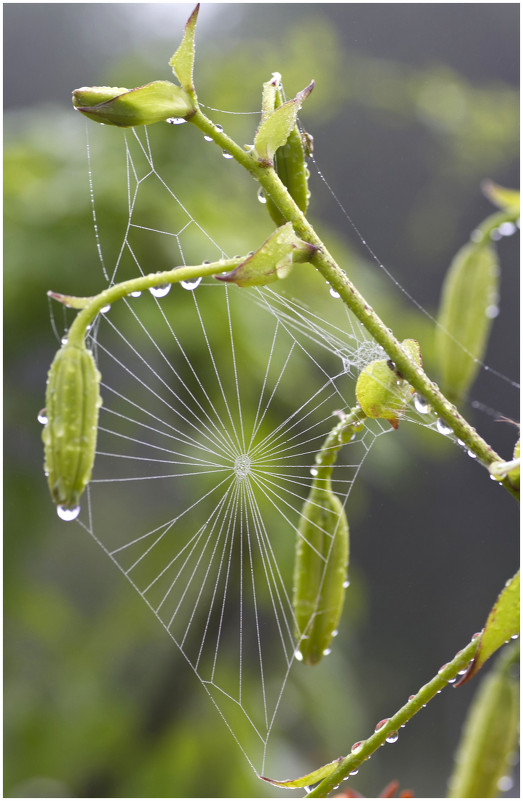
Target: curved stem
x=85, y=317
x=340, y=282
x=392, y=725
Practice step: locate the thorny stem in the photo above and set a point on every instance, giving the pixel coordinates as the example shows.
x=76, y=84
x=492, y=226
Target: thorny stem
x=392, y=726
x=340, y=282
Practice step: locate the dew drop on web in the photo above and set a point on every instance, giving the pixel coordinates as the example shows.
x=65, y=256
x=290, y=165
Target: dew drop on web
x=67, y=513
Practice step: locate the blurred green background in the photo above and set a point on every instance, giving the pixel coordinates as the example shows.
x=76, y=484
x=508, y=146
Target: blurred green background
x=414, y=105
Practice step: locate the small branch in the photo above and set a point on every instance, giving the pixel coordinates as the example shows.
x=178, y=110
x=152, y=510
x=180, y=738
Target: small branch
x=392, y=725
x=95, y=304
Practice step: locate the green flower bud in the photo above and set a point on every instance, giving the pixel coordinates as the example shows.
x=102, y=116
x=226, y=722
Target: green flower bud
x=155, y=102
x=72, y=404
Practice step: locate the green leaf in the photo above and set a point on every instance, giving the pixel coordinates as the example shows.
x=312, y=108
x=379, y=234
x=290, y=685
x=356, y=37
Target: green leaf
x=500, y=196
x=468, y=303
x=182, y=62
x=304, y=781
x=273, y=260
x=155, y=102
x=276, y=128
x=502, y=624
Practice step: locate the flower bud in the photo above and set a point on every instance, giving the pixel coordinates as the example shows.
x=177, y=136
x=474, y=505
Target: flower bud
x=155, y=102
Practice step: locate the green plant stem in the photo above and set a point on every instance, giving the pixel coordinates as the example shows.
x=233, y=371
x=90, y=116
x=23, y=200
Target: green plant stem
x=85, y=317
x=392, y=726
x=340, y=282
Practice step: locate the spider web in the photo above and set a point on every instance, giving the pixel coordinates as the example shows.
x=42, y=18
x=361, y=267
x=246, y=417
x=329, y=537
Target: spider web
x=216, y=400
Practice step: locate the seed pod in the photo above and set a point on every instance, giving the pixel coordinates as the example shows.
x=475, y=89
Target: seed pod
x=72, y=404
x=489, y=738
x=381, y=391
x=155, y=102
x=291, y=167
x=468, y=305
x=320, y=571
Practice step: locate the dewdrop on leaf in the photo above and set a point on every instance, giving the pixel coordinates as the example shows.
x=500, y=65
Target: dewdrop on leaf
x=381, y=391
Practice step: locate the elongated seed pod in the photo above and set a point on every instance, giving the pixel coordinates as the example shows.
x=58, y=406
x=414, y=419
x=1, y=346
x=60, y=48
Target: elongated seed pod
x=291, y=167
x=468, y=305
x=320, y=572
x=489, y=738
x=72, y=404
x=322, y=549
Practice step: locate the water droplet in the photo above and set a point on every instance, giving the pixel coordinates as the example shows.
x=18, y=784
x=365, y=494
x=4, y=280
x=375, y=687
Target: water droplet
x=333, y=293
x=442, y=427
x=42, y=417
x=160, y=291
x=495, y=235
x=381, y=724
x=476, y=235
x=192, y=284
x=492, y=311
x=135, y=294
x=65, y=513
x=505, y=783
x=346, y=584
x=326, y=651
x=227, y=155
x=507, y=228
x=420, y=404
x=356, y=746
x=298, y=656
x=314, y=471
x=335, y=633
x=392, y=738
x=353, y=772
x=411, y=697
x=471, y=454
x=451, y=681
x=261, y=196
x=175, y=120
x=442, y=668
x=514, y=637
x=207, y=138
x=218, y=127
x=105, y=309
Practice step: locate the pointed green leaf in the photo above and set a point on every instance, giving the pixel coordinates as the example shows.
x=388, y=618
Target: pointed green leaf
x=502, y=624
x=274, y=131
x=155, y=102
x=182, y=61
x=500, y=196
x=468, y=304
x=273, y=260
x=304, y=781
